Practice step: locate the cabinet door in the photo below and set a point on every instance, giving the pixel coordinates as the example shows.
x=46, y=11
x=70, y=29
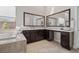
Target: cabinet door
x=65, y=40
x=33, y=36
x=51, y=36
x=46, y=34
x=27, y=35
x=36, y=35
x=40, y=35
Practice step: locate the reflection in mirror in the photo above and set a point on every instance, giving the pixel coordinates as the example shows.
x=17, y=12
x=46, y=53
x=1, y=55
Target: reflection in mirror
x=33, y=20
x=61, y=22
x=52, y=21
x=60, y=19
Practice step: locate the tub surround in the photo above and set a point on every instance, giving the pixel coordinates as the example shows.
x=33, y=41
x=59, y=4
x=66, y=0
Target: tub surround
x=8, y=34
x=14, y=45
x=15, y=39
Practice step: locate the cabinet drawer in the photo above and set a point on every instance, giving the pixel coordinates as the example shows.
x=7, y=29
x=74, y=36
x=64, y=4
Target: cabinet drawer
x=65, y=40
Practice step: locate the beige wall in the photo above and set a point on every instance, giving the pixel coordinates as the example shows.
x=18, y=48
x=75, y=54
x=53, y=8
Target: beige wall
x=40, y=10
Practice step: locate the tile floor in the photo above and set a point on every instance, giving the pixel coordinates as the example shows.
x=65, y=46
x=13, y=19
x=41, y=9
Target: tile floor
x=45, y=46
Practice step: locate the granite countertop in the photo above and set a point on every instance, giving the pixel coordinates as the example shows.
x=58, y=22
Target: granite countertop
x=50, y=28
x=61, y=30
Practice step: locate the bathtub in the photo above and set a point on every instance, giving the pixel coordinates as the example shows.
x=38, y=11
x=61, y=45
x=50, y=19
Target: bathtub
x=8, y=34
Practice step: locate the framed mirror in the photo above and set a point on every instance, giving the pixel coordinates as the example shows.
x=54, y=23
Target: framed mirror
x=33, y=20
x=60, y=19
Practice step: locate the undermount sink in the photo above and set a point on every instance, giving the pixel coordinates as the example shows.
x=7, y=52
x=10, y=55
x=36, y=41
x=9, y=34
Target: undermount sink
x=66, y=29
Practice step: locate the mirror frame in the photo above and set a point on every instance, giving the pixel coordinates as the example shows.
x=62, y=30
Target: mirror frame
x=58, y=13
x=34, y=15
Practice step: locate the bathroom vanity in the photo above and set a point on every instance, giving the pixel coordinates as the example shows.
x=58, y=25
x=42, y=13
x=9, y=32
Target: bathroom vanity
x=57, y=22
x=66, y=39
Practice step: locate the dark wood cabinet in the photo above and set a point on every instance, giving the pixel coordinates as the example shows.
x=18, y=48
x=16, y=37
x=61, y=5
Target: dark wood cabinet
x=37, y=35
x=27, y=35
x=33, y=35
x=51, y=36
x=48, y=35
x=40, y=34
x=65, y=40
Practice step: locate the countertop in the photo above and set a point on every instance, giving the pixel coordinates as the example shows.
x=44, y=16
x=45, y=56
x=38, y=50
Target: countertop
x=50, y=28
